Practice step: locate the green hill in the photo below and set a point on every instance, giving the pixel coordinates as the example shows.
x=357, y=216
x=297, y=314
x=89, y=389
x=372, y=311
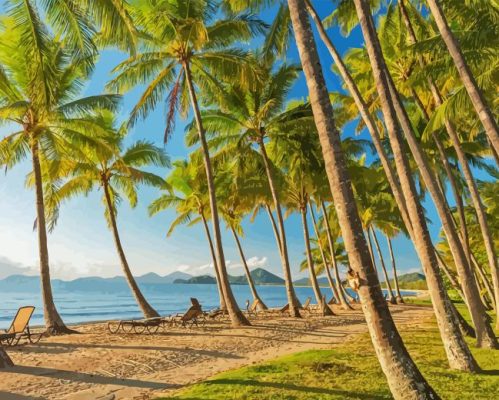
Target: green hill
x=410, y=281
x=260, y=277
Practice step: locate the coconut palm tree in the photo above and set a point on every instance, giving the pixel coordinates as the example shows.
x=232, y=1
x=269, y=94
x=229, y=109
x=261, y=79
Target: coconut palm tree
x=186, y=191
x=404, y=378
x=254, y=116
x=240, y=188
x=406, y=10
x=187, y=53
x=117, y=171
x=477, y=98
x=40, y=83
x=393, y=110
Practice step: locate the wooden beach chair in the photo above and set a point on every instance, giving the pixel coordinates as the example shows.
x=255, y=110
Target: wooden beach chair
x=306, y=306
x=194, y=316
x=19, y=328
x=252, y=309
x=148, y=325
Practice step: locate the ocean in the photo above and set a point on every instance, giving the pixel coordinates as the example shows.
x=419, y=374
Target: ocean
x=85, y=306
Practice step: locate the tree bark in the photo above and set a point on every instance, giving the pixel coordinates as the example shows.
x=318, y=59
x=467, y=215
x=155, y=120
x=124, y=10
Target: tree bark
x=404, y=379
x=5, y=360
x=310, y=262
x=147, y=309
x=249, y=278
x=457, y=351
x=274, y=227
x=391, y=297
x=235, y=314
x=479, y=103
x=393, y=108
x=330, y=280
x=53, y=321
x=293, y=302
x=341, y=295
x=400, y=299
x=214, y=260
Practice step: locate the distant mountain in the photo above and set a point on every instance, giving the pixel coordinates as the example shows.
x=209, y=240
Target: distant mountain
x=152, y=278
x=410, y=281
x=260, y=277
x=306, y=282
x=263, y=277
x=24, y=283
x=202, y=279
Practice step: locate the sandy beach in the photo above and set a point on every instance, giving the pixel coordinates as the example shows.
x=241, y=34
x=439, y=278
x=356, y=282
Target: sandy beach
x=98, y=365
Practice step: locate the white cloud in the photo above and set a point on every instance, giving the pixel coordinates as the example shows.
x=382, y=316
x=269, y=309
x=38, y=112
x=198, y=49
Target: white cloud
x=255, y=262
x=8, y=267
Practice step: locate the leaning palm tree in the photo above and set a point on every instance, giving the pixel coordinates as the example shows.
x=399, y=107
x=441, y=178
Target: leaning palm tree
x=40, y=81
x=187, y=55
x=403, y=376
x=395, y=113
x=186, y=192
x=477, y=98
x=117, y=171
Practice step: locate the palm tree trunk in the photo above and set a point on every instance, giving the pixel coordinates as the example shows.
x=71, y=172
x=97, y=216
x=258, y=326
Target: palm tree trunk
x=392, y=108
x=251, y=284
x=293, y=302
x=53, y=321
x=483, y=276
x=147, y=309
x=403, y=376
x=468, y=176
x=400, y=299
x=214, y=260
x=454, y=283
x=310, y=262
x=479, y=103
x=391, y=297
x=341, y=294
x=274, y=227
x=330, y=280
x=5, y=360
x=235, y=314
x=457, y=351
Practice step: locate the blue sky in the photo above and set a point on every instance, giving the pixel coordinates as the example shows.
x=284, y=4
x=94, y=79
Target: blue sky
x=82, y=245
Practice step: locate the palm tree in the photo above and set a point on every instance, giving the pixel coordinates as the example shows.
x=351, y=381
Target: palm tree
x=478, y=100
x=117, y=173
x=186, y=191
x=470, y=181
x=406, y=198
x=40, y=83
x=252, y=116
x=404, y=378
x=185, y=53
x=393, y=110
x=239, y=193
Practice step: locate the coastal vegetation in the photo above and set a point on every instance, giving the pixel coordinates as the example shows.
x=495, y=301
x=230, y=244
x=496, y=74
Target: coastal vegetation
x=421, y=90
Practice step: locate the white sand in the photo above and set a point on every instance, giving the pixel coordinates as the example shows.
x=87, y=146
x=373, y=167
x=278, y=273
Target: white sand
x=99, y=365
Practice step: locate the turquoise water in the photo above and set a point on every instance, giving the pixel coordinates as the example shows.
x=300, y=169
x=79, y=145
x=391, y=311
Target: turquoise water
x=77, y=307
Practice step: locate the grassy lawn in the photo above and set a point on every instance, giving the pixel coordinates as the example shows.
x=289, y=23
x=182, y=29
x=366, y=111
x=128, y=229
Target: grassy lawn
x=351, y=371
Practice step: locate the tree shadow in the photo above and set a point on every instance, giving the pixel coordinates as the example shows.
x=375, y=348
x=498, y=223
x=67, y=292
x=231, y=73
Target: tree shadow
x=94, y=379
x=15, y=396
x=493, y=372
x=74, y=347
x=288, y=386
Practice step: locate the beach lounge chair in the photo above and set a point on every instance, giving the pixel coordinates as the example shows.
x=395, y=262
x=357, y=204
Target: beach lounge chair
x=252, y=309
x=194, y=316
x=19, y=329
x=149, y=325
x=306, y=306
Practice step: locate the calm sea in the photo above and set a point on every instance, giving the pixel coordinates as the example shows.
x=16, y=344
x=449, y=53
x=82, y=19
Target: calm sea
x=77, y=307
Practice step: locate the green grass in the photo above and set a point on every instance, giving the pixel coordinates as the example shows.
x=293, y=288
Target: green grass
x=351, y=371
